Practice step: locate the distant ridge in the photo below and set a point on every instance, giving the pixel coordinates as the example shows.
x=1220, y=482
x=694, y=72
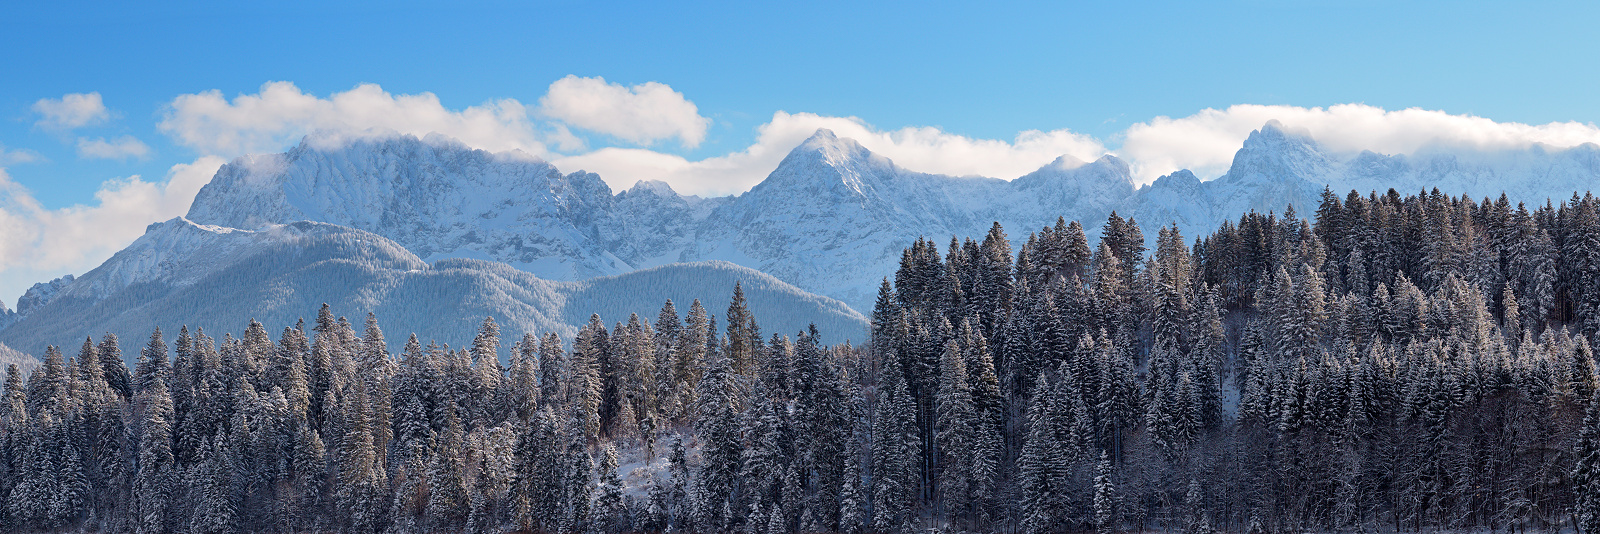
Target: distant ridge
x=182, y=273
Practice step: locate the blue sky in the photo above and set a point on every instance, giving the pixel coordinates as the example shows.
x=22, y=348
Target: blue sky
x=945, y=87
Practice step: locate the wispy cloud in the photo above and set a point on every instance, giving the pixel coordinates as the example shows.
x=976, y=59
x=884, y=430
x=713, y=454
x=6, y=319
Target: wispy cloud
x=123, y=147
x=20, y=155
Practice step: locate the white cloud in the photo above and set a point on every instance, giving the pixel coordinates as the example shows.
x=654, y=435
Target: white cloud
x=642, y=114
x=38, y=244
x=924, y=149
x=123, y=147
x=72, y=110
x=280, y=114
x=1206, y=141
x=21, y=155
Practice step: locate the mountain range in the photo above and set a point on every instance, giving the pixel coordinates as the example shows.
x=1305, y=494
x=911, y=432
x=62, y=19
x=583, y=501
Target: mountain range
x=432, y=234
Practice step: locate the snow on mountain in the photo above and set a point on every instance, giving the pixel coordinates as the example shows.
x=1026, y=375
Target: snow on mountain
x=433, y=196
x=41, y=294
x=832, y=218
x=24, y=362
x=1278, y=167
x=183, y=273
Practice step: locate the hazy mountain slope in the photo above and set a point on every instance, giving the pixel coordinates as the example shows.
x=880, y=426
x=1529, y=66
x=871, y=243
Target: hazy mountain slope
x=778, y=306
x=202, y=276
x=24, y=362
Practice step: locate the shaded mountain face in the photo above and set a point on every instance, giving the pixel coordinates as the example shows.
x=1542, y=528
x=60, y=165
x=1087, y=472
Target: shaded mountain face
x=182, y=273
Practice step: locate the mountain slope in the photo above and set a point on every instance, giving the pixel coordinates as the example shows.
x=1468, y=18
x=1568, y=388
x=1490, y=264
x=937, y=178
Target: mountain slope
x=834, y=217
x=831, y=219
x=434, y=196
x=182, y=273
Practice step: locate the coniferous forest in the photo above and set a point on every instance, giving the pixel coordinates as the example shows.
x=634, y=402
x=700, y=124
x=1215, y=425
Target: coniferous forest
x=1393, y=363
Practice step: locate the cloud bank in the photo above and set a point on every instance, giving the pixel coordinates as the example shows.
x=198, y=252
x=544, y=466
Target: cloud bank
x=1206, y=141
x=280, y=114
x=924, y=149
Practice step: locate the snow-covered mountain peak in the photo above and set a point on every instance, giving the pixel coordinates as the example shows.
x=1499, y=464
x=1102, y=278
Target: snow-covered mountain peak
x=1274, y=153
x=1182, y=180
x=830, y=146
x=655, y=188
x=1064, y=162
x=831, y=166
x=435, y=196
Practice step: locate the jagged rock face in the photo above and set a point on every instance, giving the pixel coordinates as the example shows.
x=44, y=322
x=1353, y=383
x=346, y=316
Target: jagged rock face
x=437, y=198
x=41, y=294
x=651, y=225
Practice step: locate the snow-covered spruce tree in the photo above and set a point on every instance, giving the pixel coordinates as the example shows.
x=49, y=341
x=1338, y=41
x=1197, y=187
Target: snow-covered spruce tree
x=1105, y=496
x=215, y=510
x=609, y=514
x=957, y=438
x=717, y=424
x=1586, y=471
x=1041, y=477
x=153, y=485
x=894, y=453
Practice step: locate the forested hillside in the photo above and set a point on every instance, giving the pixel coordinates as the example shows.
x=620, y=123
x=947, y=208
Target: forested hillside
x=1400, y=363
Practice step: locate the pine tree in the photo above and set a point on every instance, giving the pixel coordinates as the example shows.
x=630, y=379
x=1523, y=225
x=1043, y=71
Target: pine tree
x=216, y=511
x=115, y=371
x=152, y=363
x=608, y=508
x=552, y=363
x=894, y=453
x=1041, y=477
x=957, y=435
x=153, y=485
x=718, y=427
x=1105, y=512
x=1586, y=471
x=744, y=338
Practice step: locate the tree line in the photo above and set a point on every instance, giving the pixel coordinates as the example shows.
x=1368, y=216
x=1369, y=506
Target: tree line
x=1400, y=363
